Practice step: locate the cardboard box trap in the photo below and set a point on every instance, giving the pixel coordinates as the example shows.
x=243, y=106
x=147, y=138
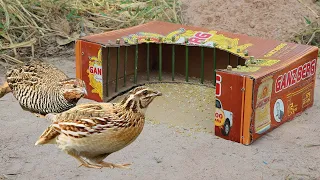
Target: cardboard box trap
x=260, y=84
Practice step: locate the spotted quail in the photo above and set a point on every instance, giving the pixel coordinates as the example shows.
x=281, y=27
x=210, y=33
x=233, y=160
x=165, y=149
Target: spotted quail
x=42, y=88
x=91, y=132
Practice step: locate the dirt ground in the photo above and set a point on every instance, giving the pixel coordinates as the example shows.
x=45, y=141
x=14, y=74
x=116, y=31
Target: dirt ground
x=165, y=150
x=181, y=151
x=276, y=19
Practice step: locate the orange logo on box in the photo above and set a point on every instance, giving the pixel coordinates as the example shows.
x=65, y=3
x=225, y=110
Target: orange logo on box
x=264, y=92
x=95, y=70
x=218, y=85
x=95, y=73
x=295, y=75
x=219, y=117
x=199, y=38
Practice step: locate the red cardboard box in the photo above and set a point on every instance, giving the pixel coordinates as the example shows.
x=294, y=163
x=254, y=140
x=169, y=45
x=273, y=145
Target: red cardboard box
x=260, y=84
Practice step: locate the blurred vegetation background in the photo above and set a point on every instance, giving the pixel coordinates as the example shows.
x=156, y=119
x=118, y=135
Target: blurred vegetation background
x=48, y=27
x=311, y=34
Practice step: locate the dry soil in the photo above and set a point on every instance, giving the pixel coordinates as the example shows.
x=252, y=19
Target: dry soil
x=181, y=151
x=276, y=19
x=165, y=150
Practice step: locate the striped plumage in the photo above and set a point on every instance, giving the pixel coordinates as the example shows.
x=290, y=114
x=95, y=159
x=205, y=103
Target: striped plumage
x=42, y=88
x=91, y=132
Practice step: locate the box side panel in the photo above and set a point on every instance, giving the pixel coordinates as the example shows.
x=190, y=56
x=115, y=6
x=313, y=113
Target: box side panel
x=228, y=115
x=131, y=52
x=120, y=62
x=282, y=95
x=88, y=67
x=194, y=60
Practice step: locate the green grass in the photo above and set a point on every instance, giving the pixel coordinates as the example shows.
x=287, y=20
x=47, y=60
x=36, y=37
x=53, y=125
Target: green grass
x=310, y=35
x=22, y=20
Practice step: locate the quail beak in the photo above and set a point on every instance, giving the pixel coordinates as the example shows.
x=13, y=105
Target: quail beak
x=157, y=93
x=85, y=91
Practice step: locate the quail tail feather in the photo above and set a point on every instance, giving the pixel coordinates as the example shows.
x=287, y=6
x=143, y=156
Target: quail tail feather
x=4, y=89
x=48, y=136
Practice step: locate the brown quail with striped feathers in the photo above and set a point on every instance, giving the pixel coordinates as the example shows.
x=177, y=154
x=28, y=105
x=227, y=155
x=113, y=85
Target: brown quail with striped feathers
x=91, y=132
x=42, y=88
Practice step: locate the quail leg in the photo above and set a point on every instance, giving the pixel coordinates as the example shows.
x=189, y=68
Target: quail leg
x=110, y=165
x=98, y=160
x=86, y=164
x=82, y=161
x=39, y=115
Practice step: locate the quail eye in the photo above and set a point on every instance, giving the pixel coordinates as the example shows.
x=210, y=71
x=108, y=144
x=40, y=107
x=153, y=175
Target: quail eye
x=74, y=86
x=145, y=92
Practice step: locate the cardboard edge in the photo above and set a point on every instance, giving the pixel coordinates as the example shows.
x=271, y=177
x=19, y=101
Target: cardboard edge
x=295, y=59
x=247, y=116
x=114, y=45
x=78, y=59
x=104, y=55
x=121, y=30
x=242, y=109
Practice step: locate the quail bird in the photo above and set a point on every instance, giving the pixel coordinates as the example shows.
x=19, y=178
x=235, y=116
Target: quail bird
x=91, y=132
x=42, y=88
